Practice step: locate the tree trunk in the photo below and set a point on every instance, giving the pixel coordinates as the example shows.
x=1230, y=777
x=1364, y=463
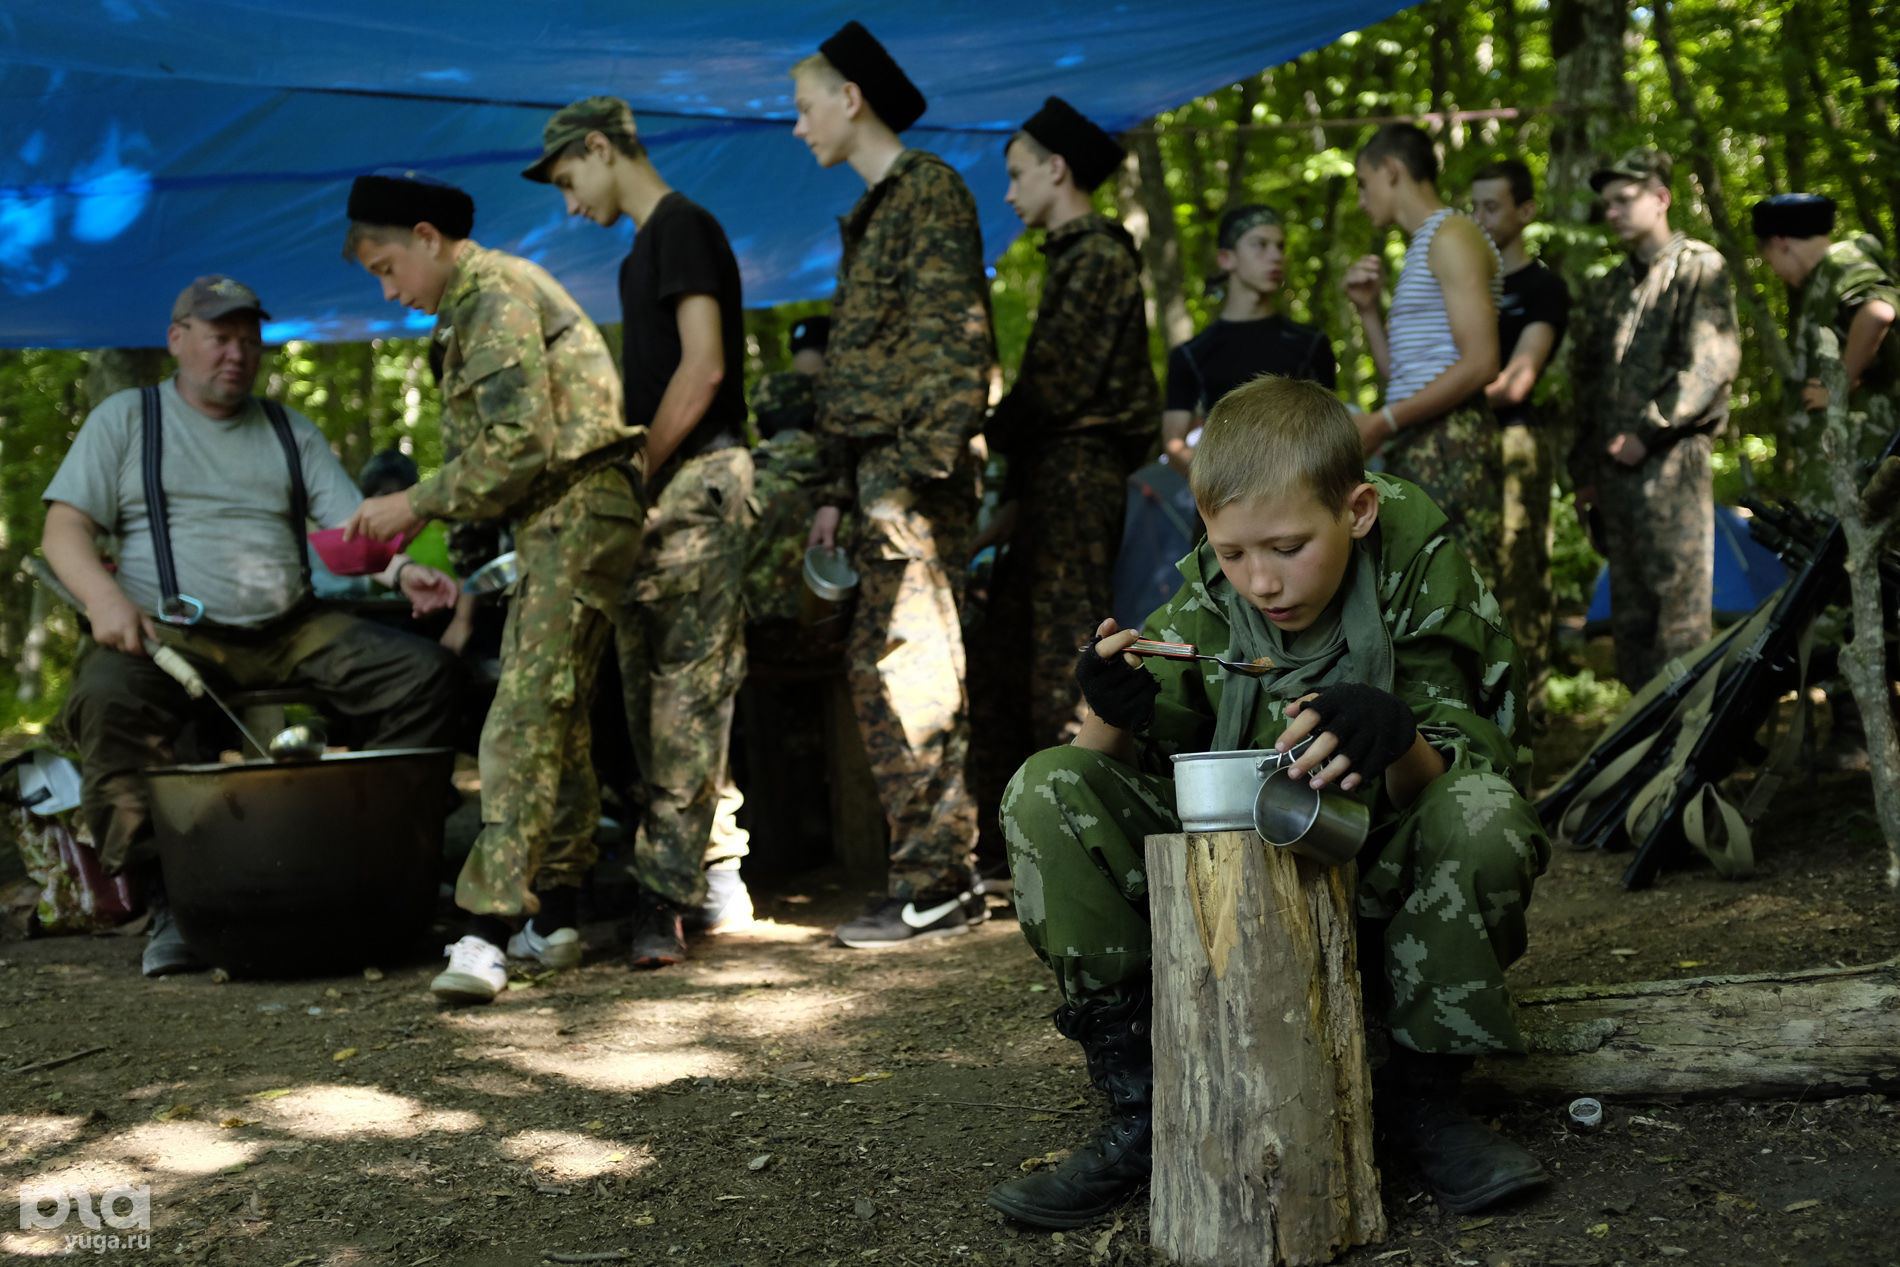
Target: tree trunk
x=1822, y=1032
x=1262, y=1113
x=1793, y=53
x=110, y=370
x=1160, y=241
x=1800, y=34
x=1703, y=147
x=1864, y=657
x=1864, y=45
x=1592, y=99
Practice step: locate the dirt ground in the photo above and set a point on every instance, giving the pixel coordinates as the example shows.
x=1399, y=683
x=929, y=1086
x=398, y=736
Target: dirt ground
x=779, y=1100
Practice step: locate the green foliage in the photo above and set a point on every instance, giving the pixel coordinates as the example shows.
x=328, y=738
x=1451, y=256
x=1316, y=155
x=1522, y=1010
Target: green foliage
x=1585, y=698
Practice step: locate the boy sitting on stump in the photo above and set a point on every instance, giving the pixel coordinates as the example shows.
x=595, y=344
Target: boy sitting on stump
x=1384, y=644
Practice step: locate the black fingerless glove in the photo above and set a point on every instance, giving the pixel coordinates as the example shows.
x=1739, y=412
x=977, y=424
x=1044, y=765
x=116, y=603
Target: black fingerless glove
x=1374, y=727
x=1120, y=694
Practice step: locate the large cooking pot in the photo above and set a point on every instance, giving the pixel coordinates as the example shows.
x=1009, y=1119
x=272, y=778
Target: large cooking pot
x=318, y=865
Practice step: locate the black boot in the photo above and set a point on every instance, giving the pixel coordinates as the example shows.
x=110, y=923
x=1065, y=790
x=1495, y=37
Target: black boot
x=1104, y=1172
x=1467, y=1165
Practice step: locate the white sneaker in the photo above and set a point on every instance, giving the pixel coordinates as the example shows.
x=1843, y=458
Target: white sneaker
x=476, y=972
x=559, y=949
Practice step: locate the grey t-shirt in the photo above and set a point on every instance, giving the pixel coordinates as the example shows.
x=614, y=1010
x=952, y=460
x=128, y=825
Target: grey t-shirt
x=227, y=489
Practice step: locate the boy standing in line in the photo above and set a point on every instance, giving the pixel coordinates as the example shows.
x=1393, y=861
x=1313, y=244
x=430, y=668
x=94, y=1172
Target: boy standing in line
x=906, y=380
x=1531, y=321
x=1080, y=417
x=682, y=643
x=531, y=412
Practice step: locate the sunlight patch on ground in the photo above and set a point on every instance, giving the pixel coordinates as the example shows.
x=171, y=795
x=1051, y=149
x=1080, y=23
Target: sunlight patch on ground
x=27, y=1132
x=571, y=1155
x=183, y=1148
x=23, y=1245
x=345, y=1112
x=603, y=1067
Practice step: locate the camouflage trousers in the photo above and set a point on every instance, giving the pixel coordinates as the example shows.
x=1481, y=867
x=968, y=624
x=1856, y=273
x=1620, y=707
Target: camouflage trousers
x=1658, y=524
x=682, y=661
x=1050, y=589
x=904, y=663
x=1458, y=460
x=540, y=802
x=1523, y=589
x=1446, y=881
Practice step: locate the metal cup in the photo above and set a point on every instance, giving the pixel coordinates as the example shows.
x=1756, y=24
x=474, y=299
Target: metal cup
x=1328, y=827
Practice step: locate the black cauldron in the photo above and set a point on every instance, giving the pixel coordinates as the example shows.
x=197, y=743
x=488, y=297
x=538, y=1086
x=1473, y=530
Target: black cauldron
x=319, y=865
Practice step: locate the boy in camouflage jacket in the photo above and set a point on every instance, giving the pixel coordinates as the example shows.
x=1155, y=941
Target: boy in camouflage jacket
x=1388, y=649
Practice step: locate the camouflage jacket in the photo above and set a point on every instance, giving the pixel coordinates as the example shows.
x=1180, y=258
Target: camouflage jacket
x=787, y=472
x=1453, y=659
x=528, y=389
x=1847, y=277
x=907, y=367
x=1655, y=350
x=1085, y=367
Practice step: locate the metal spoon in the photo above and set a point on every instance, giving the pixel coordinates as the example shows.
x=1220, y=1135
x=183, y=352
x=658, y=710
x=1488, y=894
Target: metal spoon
x=1186, y=651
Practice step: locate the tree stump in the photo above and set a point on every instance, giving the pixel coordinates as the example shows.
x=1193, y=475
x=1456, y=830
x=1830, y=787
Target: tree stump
x=1263, y=1102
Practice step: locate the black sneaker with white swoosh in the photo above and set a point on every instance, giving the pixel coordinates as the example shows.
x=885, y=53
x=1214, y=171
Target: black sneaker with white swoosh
x=896, y=921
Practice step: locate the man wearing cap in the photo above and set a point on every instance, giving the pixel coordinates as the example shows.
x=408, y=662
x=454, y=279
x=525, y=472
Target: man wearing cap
x=682, y=640
x=1844, y=296
x=531, y=416
x=1655, y=355
x=1249, y=338
x=218, y=571
x=906, y=381
x=1082, y=414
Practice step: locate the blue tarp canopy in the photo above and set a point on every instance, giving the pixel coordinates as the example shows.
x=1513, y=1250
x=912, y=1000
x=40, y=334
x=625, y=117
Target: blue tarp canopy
x=146, y=142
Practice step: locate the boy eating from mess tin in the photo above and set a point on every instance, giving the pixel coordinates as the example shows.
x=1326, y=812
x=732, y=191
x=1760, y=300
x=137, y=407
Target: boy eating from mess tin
x=1388, y=651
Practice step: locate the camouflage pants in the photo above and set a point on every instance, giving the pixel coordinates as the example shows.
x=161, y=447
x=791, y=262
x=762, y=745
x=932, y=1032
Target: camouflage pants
x=1448, y=879
x=1458, y=460
x=123, y=713
x=1658, y=521
x=1523, y=591
x=904, y=663
x=1050, y=589
x=540, y=803
x=682, y=660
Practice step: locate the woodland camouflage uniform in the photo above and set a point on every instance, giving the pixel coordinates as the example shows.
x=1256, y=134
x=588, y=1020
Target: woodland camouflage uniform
x=1448, y=878
x=1083, y=413
x=1655, y=352
x=1458, y=459
x=905, y=384
x=529, y=391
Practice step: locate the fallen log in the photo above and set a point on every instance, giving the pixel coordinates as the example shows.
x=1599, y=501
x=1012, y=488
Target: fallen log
x=1814, y=1033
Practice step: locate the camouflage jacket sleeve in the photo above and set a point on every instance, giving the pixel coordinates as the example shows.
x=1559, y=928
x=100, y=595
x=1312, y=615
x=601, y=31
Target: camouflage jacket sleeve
x=949, y=347
x=1090, y=297
x=500, y=389
x=1710, y=350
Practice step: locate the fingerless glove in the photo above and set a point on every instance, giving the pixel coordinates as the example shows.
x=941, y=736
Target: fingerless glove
x=1120, y=694
x=1374, y=727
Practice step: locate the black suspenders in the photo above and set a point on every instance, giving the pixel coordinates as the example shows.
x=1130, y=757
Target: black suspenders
x=182, y=609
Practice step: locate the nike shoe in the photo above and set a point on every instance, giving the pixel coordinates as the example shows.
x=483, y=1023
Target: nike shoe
x=476, y=972
x=894, y=921
x=559, y=949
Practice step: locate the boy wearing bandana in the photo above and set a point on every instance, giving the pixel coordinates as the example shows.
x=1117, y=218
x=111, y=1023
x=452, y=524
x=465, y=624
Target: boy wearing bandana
x=1389, y=652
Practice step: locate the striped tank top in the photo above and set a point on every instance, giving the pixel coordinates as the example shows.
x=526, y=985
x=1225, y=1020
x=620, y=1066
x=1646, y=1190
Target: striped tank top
x=1418, y=331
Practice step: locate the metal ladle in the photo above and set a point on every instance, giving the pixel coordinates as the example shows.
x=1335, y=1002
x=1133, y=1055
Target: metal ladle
x=195, y=686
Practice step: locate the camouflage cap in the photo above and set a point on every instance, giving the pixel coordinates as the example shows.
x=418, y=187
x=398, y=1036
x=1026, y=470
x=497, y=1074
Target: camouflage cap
x=214, y=296
x=571, y=123
x=1642, y=163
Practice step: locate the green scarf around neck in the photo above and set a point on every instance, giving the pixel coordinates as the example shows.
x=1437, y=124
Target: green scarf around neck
x=1359, y=648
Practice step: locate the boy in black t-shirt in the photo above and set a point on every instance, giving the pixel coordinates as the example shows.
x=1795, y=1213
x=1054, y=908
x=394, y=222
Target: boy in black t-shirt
x=682, y=641
x=1248, y=339
x=1531, y=321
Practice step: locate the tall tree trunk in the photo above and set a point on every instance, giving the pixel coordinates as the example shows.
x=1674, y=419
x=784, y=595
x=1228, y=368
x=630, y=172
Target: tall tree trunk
x=1834, y=122
x=1864, y=45
x=110, y=370
x=1592, y=98
x=1747, y=297
x=1793, y=54
x=1160, y=241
